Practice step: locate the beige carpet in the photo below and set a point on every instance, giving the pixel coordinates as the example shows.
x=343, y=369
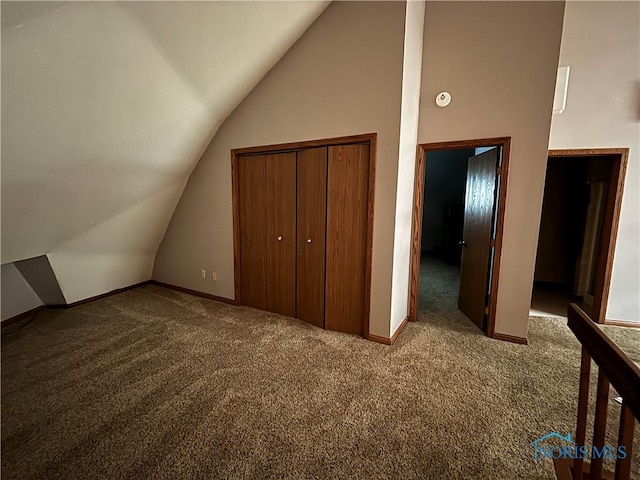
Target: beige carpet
x=153, y=383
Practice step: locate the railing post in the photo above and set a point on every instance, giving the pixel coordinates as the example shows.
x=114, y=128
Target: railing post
x=583, y=407
x=600, y=425
x=625, y=438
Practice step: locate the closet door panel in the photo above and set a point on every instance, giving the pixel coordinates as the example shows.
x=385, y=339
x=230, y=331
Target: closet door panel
x=311, y=223
x=253, y=254
x=347, y=210
x=280, y=173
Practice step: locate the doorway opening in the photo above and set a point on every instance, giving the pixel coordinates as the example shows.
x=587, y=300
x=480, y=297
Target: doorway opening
x=578, y=229
x=457, y=227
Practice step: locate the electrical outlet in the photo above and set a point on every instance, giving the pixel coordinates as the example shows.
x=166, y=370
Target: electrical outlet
x=203, y=273
x=214, y=276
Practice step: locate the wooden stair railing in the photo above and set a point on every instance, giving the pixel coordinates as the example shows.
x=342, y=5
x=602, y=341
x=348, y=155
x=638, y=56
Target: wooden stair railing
x=614, y=368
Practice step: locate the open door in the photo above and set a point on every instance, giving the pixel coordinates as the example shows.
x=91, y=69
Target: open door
x=578, y=230
x=480, y=272
x=479, y=207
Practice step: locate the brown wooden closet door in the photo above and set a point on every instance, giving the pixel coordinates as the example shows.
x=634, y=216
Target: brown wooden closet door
x=347, y=210
x=253, y=253
x=280, y=174
x=312, y=202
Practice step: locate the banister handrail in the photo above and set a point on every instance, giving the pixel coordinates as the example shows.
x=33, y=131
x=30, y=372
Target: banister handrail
x=621, y=372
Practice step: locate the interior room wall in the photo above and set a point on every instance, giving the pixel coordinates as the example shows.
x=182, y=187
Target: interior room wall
x=39, y=274
x=562, y=221
x=17, y=296
x=499, y=61
x=106, y=108
x=601, y=43
x=410, y=110
x=343, y=77
x=445, y=183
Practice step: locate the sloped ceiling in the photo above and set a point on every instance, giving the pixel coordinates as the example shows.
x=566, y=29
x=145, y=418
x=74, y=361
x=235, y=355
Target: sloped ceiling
x=106, y=108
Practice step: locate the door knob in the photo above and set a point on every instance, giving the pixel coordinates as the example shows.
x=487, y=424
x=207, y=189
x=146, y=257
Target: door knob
x=309, y=240
x=463, y=243
x=279, y=238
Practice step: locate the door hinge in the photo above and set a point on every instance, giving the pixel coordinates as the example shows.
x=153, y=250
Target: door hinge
x=493, y=242
x=498, y=170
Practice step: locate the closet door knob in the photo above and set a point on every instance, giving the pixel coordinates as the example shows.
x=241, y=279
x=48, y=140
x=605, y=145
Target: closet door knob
x=279, y=238
x=309, y=240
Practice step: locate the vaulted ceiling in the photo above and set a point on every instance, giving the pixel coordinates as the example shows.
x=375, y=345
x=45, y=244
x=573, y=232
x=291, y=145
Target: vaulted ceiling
x=107, y=107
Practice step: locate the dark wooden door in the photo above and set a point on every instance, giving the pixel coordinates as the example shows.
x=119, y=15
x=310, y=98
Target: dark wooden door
x=479, y=206
x=280, y=181
x=311, y=223
x=253, y=252
x=347, y=211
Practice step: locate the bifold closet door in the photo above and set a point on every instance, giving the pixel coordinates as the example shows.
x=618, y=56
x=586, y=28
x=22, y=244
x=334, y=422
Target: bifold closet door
x=346, y=249
x=280, y=203
x=253, y=229
x=311, y=222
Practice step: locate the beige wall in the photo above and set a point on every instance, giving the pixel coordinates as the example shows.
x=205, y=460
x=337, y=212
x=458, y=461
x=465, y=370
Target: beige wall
x=343, y=77
x=106, y=109
x=499, y=61
x=601, y=43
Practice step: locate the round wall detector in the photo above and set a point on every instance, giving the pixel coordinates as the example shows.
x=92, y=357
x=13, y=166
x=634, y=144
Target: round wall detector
x=443, y=99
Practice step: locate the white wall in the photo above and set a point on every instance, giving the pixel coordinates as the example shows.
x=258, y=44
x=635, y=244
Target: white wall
x=411, y=75
x=106, y=108
x=601, y=43
x=17, y=296
x=343, y=77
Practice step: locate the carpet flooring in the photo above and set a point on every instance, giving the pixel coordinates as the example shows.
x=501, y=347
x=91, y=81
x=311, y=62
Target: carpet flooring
x=152, y=383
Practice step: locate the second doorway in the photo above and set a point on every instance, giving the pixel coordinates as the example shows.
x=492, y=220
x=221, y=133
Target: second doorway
x=457, y=236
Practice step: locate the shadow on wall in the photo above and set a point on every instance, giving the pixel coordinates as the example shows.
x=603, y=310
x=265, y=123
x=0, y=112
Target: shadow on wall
x=28, y=284
x=38, y=273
